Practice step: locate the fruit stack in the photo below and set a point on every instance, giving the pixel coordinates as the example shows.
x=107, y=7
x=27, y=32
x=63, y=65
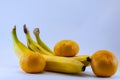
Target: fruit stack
x=37, y=57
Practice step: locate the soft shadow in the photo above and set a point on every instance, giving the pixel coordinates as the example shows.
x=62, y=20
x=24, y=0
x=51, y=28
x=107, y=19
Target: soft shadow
x=81, y=74
x=84, y=74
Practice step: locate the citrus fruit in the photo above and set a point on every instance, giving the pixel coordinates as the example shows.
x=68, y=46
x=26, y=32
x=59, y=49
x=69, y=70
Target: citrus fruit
x=104, y=63
x=32, y=63
x=67, y=48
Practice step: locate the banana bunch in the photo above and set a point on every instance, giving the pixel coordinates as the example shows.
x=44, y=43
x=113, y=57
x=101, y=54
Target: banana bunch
x=53, y=63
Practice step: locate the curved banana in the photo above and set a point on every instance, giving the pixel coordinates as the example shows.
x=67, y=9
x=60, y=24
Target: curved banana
x=63, y=64
x=40, y=42
x=32, y=44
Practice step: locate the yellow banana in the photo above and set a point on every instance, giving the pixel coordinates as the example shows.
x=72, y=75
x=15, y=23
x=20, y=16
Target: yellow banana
x=63, y=64
x=40, y=42
x=32, y=44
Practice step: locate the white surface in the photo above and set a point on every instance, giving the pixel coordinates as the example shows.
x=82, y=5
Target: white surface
x=94, y=24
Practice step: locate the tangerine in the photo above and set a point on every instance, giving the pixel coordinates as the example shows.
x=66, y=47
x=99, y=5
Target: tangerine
x=104, y=63
x=32, y=63
x=67, y=48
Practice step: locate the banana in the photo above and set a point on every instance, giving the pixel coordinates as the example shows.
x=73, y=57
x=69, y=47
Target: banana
x=32, y=44
x=19, y=48
x=63, y=64
x=40, y=42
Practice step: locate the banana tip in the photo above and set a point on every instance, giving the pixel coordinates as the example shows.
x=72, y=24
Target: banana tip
x=36, y=30
x=88, y=59
x=25, y=28
x=83, y=68
x=14, y=28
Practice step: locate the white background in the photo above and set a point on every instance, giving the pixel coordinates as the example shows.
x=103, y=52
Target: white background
x=93, y=24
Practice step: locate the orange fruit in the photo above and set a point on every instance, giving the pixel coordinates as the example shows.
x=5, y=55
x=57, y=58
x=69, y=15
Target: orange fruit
x=32, y=63
x=104, y=63
x=67, y=48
